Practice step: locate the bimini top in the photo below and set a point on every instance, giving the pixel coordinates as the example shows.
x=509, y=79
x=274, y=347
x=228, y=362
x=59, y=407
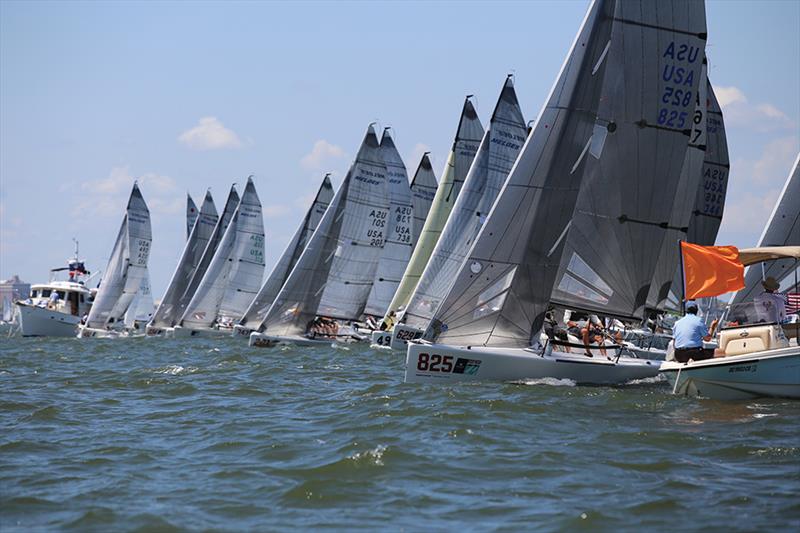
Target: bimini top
x=749, y=256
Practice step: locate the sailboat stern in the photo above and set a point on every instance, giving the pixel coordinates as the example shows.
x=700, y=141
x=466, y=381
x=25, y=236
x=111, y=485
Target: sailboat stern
x=381, y=339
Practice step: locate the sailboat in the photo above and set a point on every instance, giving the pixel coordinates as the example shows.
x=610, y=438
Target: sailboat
x=170, y=309
x=269, y=290
x=605, y=148
x=233, y=276
x=191, y=214
x=782, y=229
x=124, y=274
x=399, y=237
x=465, y=145
x=496, y=154
x=332, y=280
x=140, y=312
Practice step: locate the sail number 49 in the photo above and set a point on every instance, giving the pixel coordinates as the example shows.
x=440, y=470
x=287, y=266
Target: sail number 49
x=435, y=362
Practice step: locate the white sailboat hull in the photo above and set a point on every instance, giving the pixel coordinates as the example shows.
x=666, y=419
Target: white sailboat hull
x=402, y=334
x=42, y=322
x=381, y=340
x=772, y=373
x=262, y=340
x=432, y=363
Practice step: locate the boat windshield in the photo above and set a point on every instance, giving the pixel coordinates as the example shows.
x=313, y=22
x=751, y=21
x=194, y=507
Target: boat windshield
x=748, y=313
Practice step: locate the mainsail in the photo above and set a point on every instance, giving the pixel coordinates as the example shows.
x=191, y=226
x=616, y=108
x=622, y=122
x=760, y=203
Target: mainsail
x=604, y=109
x=191, y=214
x=169, y=309
x=423, y=190
x=234, y=275
x=498, y=150
x=334, y=274
x=399, y=241
x=465, y=146
x=623, y=214
x=127, y=266
x=269, y=290
x=782, y=229
x=684, y=202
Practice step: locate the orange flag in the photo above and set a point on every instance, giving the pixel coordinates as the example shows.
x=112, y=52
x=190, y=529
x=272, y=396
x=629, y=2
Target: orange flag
x=710, y=270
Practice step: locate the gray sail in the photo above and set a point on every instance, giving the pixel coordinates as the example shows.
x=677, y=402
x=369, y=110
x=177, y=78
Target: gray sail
x=423, y=190
x=269, y=290
x=684, y=201
x=191, y=214
x=334, y=274
x=208, y=253
x=234, y=275
x=127, y=266
x=603, y=105
x=710, y=201
x=623, y=212
x=782, y=229
x=169, y=310
x=498, y=150
x=711, y=191
x=399, y=240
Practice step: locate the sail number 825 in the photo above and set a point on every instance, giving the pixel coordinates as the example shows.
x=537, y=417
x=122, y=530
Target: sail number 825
x=435, y=362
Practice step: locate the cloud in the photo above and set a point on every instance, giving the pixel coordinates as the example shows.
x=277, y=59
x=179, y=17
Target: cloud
x=753, y=189
x=276, y=211
x=209, y=134
x=738, y=111
x=322, y=156
x=106, y=197
x=729, y=95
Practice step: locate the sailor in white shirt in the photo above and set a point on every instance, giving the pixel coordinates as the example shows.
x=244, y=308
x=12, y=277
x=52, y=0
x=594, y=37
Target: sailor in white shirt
x=770, y=306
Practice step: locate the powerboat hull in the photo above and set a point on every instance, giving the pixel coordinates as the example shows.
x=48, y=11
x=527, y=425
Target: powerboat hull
x=432, y=363
x=42, y=322
x=771, y=373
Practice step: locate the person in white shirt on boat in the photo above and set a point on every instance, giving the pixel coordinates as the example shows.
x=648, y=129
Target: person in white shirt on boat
x=54, y=298
x=770, y=305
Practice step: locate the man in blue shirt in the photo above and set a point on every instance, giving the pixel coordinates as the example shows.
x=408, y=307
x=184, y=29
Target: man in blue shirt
x=689, y=333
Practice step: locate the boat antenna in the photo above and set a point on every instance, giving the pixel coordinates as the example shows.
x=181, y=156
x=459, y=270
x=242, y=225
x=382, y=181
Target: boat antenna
x=76, y=247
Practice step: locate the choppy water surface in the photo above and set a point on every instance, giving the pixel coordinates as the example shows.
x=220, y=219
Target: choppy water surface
x=154, y=435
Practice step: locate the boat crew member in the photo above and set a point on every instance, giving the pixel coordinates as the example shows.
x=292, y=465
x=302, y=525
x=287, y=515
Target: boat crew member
x=770, y=305
x=54, y=297
x=689, y=333
x=388, y=322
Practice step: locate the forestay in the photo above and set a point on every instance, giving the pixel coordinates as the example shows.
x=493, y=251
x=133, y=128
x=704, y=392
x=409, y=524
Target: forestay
x=684, y=202
x=626, y=201
x=465, y=146
x=782, y=229
x=498, y=150
x=269, y=290
x=169, y=309
x=399, y=241
x=600, y=113
x=127, y=266
x=234, y=274
x=334, y=273
x=191, y=214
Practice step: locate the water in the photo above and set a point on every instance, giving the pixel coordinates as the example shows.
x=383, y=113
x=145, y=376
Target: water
x=170, y=435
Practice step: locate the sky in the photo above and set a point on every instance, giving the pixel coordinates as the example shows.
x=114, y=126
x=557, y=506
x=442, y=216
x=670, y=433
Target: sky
x=185, y=96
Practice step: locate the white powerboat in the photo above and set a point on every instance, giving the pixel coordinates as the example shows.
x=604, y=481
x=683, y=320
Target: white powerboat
x=55, y=308
x=755, y=358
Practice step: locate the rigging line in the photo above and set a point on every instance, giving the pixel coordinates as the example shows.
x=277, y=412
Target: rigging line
x=664, y=225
